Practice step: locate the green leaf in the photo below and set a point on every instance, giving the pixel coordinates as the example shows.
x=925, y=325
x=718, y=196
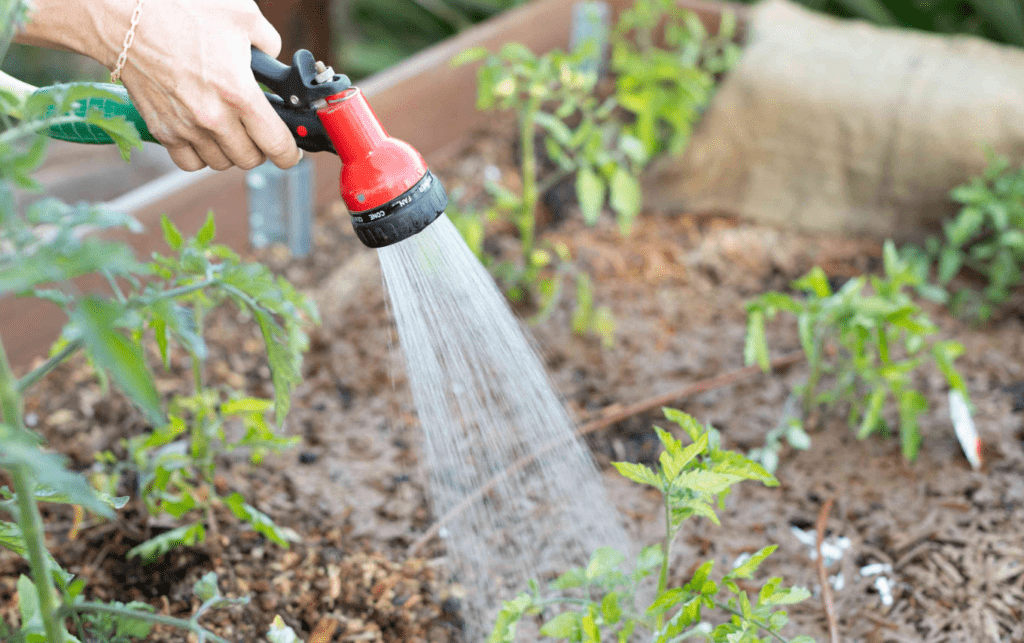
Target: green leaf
x=873, y=413
x=706, y=481
x=685, y=421
x=755, y=349
x=945, y=353
x=638, y=473
x=49, y=470
x=119, y=129
x=96, y=319
x=11, y=538
x=816, y=282
x=558, y=130
x=181, y=321
x=603, y=561
x=949, y=264
x=245, y=405
x=673, y=462
x=128, y=626
x=206, y=233
x=159, y=327
x=28, y=606
x=61, y=262
x=672, y=445
x=591, y=633
x=467, y=56
x=157, y=546
x=786, y=597
x=966, y=225
x=747, y=569
x=590, y=194
x=611, y=611
x=565, y=625
x=570, y=579
x=172, y=235
x=700, y=576
x=179, y=505
x=625, y=197
x=259, y=521
x=206, y=588
x=667, y=600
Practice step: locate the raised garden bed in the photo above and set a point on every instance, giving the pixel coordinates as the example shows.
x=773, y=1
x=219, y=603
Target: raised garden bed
x=676, y=287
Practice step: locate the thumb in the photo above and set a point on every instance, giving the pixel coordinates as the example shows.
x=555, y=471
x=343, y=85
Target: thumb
x=264, y=37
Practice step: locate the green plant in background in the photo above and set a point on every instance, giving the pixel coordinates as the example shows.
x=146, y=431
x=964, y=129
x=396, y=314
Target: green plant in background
x=870, y=338
x=42, y=252
x=987, y=237
x=665, y=88
x=600, y=602
x=531, y=85
x=999, y=20
x=605, y=142
x=376, y=34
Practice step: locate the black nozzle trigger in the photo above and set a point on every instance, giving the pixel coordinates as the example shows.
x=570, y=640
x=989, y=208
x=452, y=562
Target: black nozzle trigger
x=295, y=90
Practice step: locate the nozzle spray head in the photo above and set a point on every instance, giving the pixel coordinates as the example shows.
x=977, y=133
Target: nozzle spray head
x=385, y=183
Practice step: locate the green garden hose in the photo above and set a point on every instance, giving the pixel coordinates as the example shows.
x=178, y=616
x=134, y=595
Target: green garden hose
x=84, y=132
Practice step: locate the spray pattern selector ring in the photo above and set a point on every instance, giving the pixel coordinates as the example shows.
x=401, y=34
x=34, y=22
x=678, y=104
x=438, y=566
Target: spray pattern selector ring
x=405, y=215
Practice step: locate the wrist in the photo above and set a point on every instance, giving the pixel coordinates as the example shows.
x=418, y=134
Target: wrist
x=93, y=28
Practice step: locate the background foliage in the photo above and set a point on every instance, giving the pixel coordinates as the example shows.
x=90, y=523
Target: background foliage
x=998, y=20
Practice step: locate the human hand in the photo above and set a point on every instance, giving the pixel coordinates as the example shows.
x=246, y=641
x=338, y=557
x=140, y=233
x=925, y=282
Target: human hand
x=187, y=72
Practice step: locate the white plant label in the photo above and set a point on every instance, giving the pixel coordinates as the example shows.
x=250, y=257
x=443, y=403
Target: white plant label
x=963, y=424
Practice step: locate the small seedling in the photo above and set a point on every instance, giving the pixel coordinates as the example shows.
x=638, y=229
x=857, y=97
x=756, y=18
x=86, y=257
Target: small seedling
x=666, y=88
x=176, y=462
x=599, y=602
x=986, y=237
x=870, y=338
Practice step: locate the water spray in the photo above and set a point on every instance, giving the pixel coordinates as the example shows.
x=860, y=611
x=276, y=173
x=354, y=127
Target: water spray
x=384, y=182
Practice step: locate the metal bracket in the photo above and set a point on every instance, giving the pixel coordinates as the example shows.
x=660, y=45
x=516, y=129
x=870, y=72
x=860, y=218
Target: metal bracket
x=591, y=20
x=281, y=206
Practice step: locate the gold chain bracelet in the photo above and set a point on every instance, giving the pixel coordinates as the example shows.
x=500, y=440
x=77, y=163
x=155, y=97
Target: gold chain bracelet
x=129, y=38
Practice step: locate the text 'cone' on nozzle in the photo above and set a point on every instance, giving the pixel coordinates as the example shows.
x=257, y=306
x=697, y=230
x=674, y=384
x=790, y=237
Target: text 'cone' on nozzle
x=385, y=183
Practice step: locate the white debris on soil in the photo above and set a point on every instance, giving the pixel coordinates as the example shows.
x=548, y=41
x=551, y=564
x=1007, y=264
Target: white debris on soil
x=963, y=424
x=831, y=548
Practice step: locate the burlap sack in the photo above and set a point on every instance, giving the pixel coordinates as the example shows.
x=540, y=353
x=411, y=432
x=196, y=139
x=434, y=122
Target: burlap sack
x=842, y=126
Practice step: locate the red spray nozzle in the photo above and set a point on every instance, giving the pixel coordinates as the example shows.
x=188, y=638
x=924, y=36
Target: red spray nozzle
x=384, y=182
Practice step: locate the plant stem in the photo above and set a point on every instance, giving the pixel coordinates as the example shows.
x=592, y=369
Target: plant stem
x=31, y=524
x=763, y=626
x=160, y=619
x=40, y=372
x=29, y=520
x=666, y=547
x=172, y=293
x=527, y=220
x=810, y=388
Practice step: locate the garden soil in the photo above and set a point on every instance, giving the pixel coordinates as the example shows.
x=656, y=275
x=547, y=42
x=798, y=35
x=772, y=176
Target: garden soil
x=929, y=551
